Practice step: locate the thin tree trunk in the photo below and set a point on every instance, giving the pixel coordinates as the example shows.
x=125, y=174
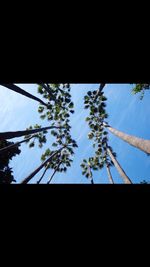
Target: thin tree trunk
x=9, y=135
x=126, y=179
x=92, y=181
x=90, y=174
x=109, y=174
x=38, y=182
x=139, y=143
x=7, y=148
x=102, y=85
x=18, y=90
x=89, y=171
x=54, y=173
x=99, y=90
x=27, y=179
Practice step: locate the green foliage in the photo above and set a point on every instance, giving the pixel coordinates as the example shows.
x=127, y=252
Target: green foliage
x=6, y=176
x=39, y=137
x=32, y=144
x=60, y=108
x=86, y=168
x=140, y=88
x=6, y=173
x=95, y=101
x=57, y=112
x=144, y=182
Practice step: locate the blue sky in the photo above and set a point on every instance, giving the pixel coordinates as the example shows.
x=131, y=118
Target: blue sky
x=126, y=113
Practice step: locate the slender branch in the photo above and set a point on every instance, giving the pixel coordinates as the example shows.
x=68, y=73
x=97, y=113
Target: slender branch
x=38, y=182
x=54, y=173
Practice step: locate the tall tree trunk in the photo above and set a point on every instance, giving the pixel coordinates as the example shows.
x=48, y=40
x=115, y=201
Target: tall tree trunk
x=27, y=179
x=119, y=168
x=7, y=148
x=9, y=135
x=102, y=85
x=54, y=173
x=18, y=90
x=99, y=90
x=38, y=182
x=139, y=143
x=92, y=181
x=109, y=174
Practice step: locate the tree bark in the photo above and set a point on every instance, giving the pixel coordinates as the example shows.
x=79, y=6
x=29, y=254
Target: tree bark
x=122, y=173
x=10, y=135
x=109, y=174
x=7, y=148
x=18, y=90
x=139, y=143
x=27, y=179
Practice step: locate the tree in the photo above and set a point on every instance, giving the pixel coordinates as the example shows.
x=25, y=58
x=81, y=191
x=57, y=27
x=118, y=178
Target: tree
x=13, y=145
x=109, y=174
x=63, y=160
x=28, y=178
x=99, y=90
x=56, y=108
x=87, y=166
x=95, y=102
x=56, y=169
x=39, y=181
x=59, y=112
x=119, y=168
x=104, y=157
x=143, y=145
x=6, y=176
x=54, y=159
x=145, y=182
x=140, y=88
x=95, y=120
x=10, y=135
x=6, y=173
x=98, y=111
x=59, y=105
x=48, y=89
x=18, y=90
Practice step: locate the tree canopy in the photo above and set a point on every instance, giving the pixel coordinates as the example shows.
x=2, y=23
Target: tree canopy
x=141, y=88
x=56, y=110
x=6, y=173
